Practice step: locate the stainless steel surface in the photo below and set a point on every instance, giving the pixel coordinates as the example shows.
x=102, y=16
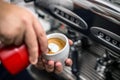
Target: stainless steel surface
x=47, y=3
x=102, y=8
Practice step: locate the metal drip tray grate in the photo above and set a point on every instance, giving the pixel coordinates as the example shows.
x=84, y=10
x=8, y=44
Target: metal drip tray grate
x=87, y=67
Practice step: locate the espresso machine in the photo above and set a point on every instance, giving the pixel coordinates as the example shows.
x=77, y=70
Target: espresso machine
x=94, y=27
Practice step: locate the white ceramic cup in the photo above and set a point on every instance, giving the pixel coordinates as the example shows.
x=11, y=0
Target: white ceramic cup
x=61, y=55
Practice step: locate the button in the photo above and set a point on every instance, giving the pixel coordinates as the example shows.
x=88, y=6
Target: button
x=62, y=13
x=67, y=16
x=77, y=21
x=119, y=45
x=114, y=42
x=57, y=11
x=107, y=38
x=101, y=34
x=72, y=19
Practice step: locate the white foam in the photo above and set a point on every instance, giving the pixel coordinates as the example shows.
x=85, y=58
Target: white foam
x=53, y=47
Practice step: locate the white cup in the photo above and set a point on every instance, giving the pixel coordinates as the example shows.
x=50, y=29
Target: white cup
x=62, y=54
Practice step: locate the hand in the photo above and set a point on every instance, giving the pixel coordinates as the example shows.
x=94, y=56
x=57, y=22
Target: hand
x=18, y=26
x=51, y=66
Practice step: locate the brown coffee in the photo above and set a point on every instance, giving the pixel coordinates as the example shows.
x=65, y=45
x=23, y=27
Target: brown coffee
x=55, y=45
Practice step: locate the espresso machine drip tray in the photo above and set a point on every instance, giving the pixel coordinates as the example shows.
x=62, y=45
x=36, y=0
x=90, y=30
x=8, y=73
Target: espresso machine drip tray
x=88, y=64
x=87, y=71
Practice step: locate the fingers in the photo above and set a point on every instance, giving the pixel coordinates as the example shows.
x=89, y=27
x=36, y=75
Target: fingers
x=41, y=36
x=70, y=42
x=58, y=67
x=50, y=66
x=68, y=62
x=40, y=64
x=31, y=43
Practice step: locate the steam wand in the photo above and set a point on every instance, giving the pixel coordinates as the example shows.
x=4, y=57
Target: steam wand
x=75, y=53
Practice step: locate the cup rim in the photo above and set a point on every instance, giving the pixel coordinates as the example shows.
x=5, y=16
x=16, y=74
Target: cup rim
x=66, y=39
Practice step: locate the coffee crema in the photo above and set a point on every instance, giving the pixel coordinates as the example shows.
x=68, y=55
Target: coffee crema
x=55, y=45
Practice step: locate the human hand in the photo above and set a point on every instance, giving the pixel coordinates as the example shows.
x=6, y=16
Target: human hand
x=18, y=26
x=51, y=66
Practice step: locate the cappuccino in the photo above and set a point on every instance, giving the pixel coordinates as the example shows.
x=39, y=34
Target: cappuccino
x=55, y=45
x=58, y=46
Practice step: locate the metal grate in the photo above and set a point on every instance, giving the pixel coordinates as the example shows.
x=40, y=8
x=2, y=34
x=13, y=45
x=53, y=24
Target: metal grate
x=87, y=67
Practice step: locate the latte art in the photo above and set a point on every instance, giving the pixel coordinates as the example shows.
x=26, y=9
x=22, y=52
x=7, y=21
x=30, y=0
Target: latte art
x=55, y=45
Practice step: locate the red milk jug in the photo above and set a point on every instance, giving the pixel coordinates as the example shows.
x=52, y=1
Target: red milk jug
x=14, y=59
